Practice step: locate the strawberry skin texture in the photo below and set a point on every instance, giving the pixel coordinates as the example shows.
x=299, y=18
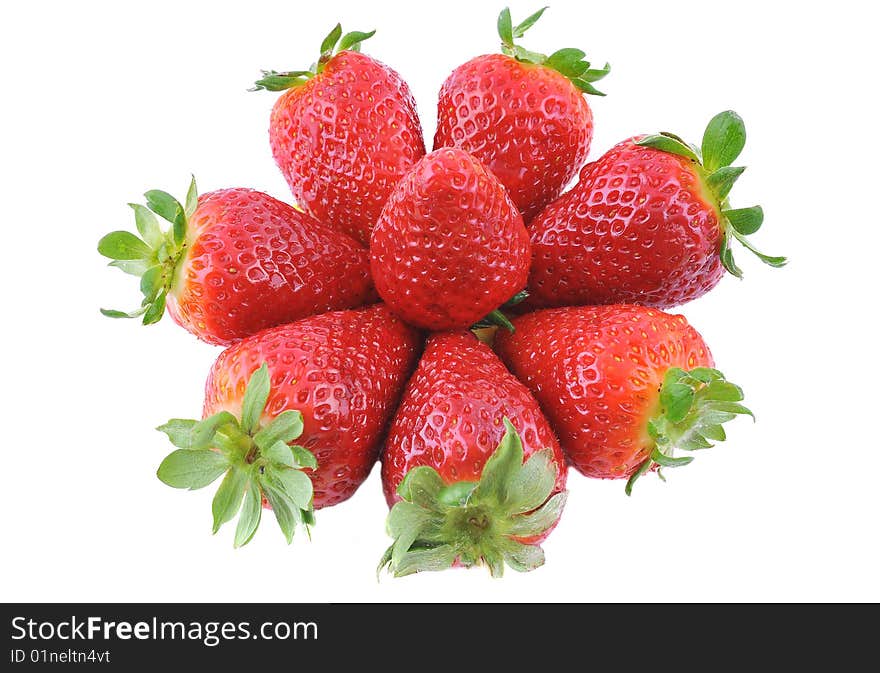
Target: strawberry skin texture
x=639, y=227
x=528, y=123
x=343, y=370
x=344, y=139
x=450, y=245
x=597, y=372
x=450, y=416
x=253, y=262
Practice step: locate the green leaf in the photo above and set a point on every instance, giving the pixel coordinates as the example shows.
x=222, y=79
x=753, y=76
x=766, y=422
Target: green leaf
x=518, y=298
x=526, y=56
x=745, y=220
x=180, y=431
x=533, y=483
x=203, y=433
x=726, y=255
x=730, y=408
x=705, y=374
x=281, y=81
x=721, y=181
x=232, y=441
x=251, y=511
x=330, y=41
x=541, y=520
x=522, y=557
x=693, y=441
x=353, y=39
x=723, y=140
x=500, y=468
x=521, y=29
x=457, y=494
x=285, y=427
x=586, y=87
x=775, y=262
x=147, y=225
x=123, y=245
x=669, y=144
x=567, y=61
x=293, y=484
x=713, y=432
x=285, y=514
x=422, y=486
x=505, y=27
x=303, y=457
x=227, y=500
x=419, y=560
x=168, y=208
x=255, y=397
x=279, y=453
x=594, y=75
x=152, y=281
x=724, y=391
x=404, y=523
x=187, y=468
x=155, y=310
x=192, y=198
x=644, y=467
x=422, y=477
x=496, y=317
x=113, y=313
x=134, y=267
x=677, y=400
x=668, y=461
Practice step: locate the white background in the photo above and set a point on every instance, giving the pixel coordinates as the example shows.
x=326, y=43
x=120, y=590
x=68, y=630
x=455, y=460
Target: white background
x=105, y=100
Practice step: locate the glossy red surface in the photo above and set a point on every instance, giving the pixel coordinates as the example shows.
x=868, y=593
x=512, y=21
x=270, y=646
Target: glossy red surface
x=344, y=371
x=344, y=139
x=597, y=372
x=637, y=228
x=529, y=124
x=451, y=415
x=254, y=262
x=450, y=246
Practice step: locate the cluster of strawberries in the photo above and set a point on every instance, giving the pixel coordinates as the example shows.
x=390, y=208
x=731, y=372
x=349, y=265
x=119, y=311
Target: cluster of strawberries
x=475, y=415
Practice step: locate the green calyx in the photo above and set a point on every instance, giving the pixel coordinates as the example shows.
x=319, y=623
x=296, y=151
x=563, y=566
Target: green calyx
x=480, y=523
x=255, y=461
x=568, y=62
x=497, y=318
x=693, y=406
x=723, y=141
x=154, y=256
x=334, y=43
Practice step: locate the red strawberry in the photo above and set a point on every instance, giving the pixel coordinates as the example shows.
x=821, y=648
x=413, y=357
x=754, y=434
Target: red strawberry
x=522, y=114
x=450, y=246
x=648, y=223
x=331, y=381
x=458, y=498
x=236, y=261
x=343, y=133
x=622, y=385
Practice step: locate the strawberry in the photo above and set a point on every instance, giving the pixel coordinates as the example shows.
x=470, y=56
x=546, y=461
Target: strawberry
x=450, y=246
x=331, y=382
x=456, y=498
x=622, y=385
x=523, y=114
x=649, y=223
x=343, y=133
x=236, y=261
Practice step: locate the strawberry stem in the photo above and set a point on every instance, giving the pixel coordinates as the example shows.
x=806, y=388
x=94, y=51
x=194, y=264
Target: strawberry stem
x=693, y=406
x=489, y=522
x=156, y=256
x=256, y=461
x=568, y=62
